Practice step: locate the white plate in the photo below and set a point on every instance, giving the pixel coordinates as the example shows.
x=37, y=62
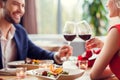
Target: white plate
x=73, y=74
x=16, y=63
x=28, y=66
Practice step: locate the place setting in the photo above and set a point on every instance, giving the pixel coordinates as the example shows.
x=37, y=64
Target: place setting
x=58, y=72
x=18, y=68
x=45, y=70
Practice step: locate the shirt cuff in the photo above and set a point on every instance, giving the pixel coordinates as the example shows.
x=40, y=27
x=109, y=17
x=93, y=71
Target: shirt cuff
x=57, y=58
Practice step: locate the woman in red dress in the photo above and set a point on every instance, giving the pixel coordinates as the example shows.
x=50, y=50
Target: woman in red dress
x=110, y=51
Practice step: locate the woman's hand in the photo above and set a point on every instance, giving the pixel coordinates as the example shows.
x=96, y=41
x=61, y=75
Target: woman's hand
x=94, y=43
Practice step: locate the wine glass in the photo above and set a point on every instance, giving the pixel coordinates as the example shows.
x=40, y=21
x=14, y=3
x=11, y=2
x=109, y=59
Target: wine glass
x=69, y=33
x=85, y=33
x=84, y=30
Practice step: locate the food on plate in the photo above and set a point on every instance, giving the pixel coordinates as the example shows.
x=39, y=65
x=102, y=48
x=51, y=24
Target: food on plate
x=55, y=70
x=37, y=61
x=52, y=72
x=32, y=61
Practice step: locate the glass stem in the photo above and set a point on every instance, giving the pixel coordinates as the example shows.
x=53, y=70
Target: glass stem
x=69, y=42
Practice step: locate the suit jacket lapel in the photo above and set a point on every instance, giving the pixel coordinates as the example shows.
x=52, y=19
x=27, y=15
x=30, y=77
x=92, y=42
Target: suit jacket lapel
x=17, y=46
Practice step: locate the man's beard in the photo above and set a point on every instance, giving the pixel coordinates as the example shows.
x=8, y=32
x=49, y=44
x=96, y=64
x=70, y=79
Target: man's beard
x=9, y=18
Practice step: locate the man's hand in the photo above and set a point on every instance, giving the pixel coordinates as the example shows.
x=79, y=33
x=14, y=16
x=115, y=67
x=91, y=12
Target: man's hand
x=64, y=51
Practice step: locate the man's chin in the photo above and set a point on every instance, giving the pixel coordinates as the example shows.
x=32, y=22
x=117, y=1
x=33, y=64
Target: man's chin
x=13, y=21
x=16, y=22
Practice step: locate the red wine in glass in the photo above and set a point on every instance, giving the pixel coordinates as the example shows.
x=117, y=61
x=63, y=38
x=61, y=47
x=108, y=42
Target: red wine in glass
x=85, y=36
x=69, y=37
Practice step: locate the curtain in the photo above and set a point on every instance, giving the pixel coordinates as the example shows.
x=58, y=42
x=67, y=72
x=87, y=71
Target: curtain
x=29, y=18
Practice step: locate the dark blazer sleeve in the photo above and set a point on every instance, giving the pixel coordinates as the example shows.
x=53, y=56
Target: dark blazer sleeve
x=25, y=47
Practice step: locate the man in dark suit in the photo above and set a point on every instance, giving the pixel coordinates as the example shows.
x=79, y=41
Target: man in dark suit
x=15, y=44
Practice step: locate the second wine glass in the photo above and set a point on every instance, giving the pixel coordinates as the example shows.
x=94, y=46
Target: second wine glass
x=85, y=33
x=69, y=33
x=84, y=30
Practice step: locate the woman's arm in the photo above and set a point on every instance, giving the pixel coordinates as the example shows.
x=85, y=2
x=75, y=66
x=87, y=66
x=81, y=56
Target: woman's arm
x=108, y=51
x=106, y=73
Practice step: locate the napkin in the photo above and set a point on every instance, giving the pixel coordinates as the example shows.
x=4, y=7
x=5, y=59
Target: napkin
x=69, y=65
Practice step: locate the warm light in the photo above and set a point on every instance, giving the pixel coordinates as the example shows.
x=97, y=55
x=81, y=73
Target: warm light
x=83, y=64
x=21, y=73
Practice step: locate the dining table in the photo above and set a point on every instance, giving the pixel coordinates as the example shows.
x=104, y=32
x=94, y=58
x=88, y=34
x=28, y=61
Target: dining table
x=29, y=77
x=15, y=78
x=86, y=74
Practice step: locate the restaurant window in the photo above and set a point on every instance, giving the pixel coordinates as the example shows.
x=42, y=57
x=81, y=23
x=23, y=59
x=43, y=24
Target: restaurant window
x=52, y=14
